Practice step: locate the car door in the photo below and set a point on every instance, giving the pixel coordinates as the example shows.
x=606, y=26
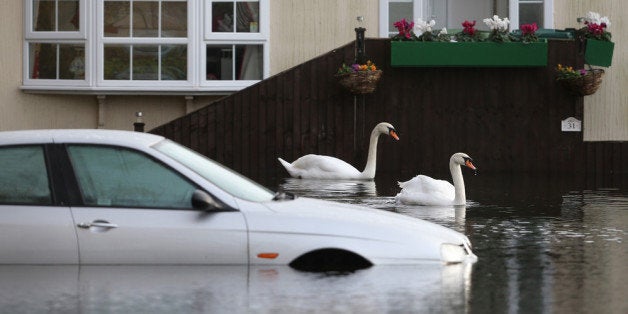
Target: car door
x=35, y=226
x=136, y=210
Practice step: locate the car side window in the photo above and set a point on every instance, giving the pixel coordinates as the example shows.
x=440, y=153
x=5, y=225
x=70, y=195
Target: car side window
x=23, y=176
x=118, y=177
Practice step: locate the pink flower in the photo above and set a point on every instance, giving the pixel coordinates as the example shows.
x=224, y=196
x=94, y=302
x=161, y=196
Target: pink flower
x=528, y=29
x=405, y=28
x=596, y=29
x=468, y=27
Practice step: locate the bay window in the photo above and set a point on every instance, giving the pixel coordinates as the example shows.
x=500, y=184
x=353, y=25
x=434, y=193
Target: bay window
x=145, y=45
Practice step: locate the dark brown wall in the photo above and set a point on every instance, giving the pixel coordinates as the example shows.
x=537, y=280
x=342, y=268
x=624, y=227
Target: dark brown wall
x=507, y=119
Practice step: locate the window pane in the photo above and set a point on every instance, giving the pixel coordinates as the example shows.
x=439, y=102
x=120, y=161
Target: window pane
x=531, y=13
x=222, y=17
x=398, y=11
x=117, y=177
x=72, y=62
x=43, y=61
x=174, y=22
x=23, y=176
x=117, y=62
x=69, y=15
x=47, y=13
x=117, y=21
x=174, y=62
x=44, y=15
x=145, y=62
x=219, y=62
x=145, y=19
x=248, y=62
x=248, y=17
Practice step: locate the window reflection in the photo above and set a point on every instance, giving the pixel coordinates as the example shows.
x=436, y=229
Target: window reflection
x=531, y=13
x=147, y=17
x=57, y=61
x=47, y=13
x=234, y=62
x=149, y=62
x=23, y=176
x=245, y=19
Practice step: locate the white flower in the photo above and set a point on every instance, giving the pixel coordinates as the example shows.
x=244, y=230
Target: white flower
x=443, y=31
x=596, y=18
x=496, y=23
x=421, y=26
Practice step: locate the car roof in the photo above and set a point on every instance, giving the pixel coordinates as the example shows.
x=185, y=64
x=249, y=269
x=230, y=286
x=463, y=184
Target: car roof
x=96, y=136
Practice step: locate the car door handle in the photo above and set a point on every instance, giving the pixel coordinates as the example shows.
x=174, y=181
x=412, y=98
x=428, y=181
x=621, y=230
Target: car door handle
x=97, y=223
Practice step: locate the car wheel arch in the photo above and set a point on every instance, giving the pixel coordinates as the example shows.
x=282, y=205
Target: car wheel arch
x=330, y=259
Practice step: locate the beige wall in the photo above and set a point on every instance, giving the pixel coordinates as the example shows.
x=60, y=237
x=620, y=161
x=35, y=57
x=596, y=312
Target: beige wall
x=303, y=29
x=299, y=31
x=605, y=112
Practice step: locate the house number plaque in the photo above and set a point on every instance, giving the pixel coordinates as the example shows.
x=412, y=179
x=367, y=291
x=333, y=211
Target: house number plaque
x=571, y=124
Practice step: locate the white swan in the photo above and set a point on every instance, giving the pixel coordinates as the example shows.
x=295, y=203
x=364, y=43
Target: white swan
x=326, y=167
x=423, y=190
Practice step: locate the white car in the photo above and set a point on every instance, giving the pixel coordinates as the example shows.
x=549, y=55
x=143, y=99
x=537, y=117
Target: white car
x=119, y=197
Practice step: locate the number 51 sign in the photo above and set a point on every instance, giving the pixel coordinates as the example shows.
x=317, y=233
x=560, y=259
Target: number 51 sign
x=571, y=124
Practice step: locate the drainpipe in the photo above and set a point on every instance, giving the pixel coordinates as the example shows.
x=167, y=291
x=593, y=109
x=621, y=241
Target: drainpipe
x=359, y=43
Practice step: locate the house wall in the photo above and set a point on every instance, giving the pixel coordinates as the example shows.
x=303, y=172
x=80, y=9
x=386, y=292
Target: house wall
x=302, y=30
x=299, y=31
x=605, y=112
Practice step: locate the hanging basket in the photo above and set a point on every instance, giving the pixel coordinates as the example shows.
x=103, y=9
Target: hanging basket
x=584, y=85
x=361, y=82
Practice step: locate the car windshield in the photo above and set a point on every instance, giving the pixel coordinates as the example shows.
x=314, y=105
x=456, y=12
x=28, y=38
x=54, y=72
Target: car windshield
x=223, y=177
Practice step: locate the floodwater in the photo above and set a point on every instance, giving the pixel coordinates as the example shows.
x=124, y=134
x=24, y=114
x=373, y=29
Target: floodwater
x=544, y=245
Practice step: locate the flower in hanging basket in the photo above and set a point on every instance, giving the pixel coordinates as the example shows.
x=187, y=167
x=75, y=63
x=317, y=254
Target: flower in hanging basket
x=580, y=82
x=468, y=33
x=528, y=33
x=595, y=27
x=499, y=29
x=359, y=78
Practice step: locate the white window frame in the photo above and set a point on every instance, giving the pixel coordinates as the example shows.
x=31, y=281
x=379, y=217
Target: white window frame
x=420, y=9
x=91, y=34
x=234, y=38
x=548, y=13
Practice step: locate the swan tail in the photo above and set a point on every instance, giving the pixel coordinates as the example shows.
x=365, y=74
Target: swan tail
x=284, y=163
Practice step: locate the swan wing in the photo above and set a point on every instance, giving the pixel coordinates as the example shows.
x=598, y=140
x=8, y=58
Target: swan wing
x=424, y=190
x=321, y=167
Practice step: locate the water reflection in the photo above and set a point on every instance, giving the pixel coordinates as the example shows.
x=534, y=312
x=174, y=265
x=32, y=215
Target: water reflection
x=544, y=244
x=221, y=289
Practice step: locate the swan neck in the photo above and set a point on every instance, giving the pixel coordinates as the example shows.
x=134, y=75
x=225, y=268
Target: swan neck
x=371, y=159
x=456, y=176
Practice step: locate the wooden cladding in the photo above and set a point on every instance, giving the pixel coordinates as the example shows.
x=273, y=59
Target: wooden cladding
x=507, y=119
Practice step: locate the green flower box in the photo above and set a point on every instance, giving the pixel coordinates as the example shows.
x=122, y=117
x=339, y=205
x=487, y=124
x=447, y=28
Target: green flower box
x=598, y=52
x=467, y=54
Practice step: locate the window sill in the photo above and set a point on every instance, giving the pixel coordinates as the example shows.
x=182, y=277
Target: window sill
x=135, y=90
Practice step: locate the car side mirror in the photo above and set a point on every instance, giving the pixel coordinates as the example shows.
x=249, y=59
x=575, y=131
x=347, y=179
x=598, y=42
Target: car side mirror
x=205, y=202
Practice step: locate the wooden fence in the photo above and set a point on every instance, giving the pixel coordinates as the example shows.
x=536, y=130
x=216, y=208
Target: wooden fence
x=507, y=119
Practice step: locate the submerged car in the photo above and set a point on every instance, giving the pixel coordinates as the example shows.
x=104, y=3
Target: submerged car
x=119, y=197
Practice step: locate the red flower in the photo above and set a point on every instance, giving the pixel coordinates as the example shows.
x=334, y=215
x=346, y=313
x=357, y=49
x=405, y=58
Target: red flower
x=405, y=28
x=528, y=29
x=468, y=27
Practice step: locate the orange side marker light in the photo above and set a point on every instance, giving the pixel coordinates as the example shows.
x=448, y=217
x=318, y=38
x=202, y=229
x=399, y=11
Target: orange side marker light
x=268, y=255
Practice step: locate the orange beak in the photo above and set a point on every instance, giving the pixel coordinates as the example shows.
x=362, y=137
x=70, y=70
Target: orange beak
x=394, y=134
x=469, y=164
